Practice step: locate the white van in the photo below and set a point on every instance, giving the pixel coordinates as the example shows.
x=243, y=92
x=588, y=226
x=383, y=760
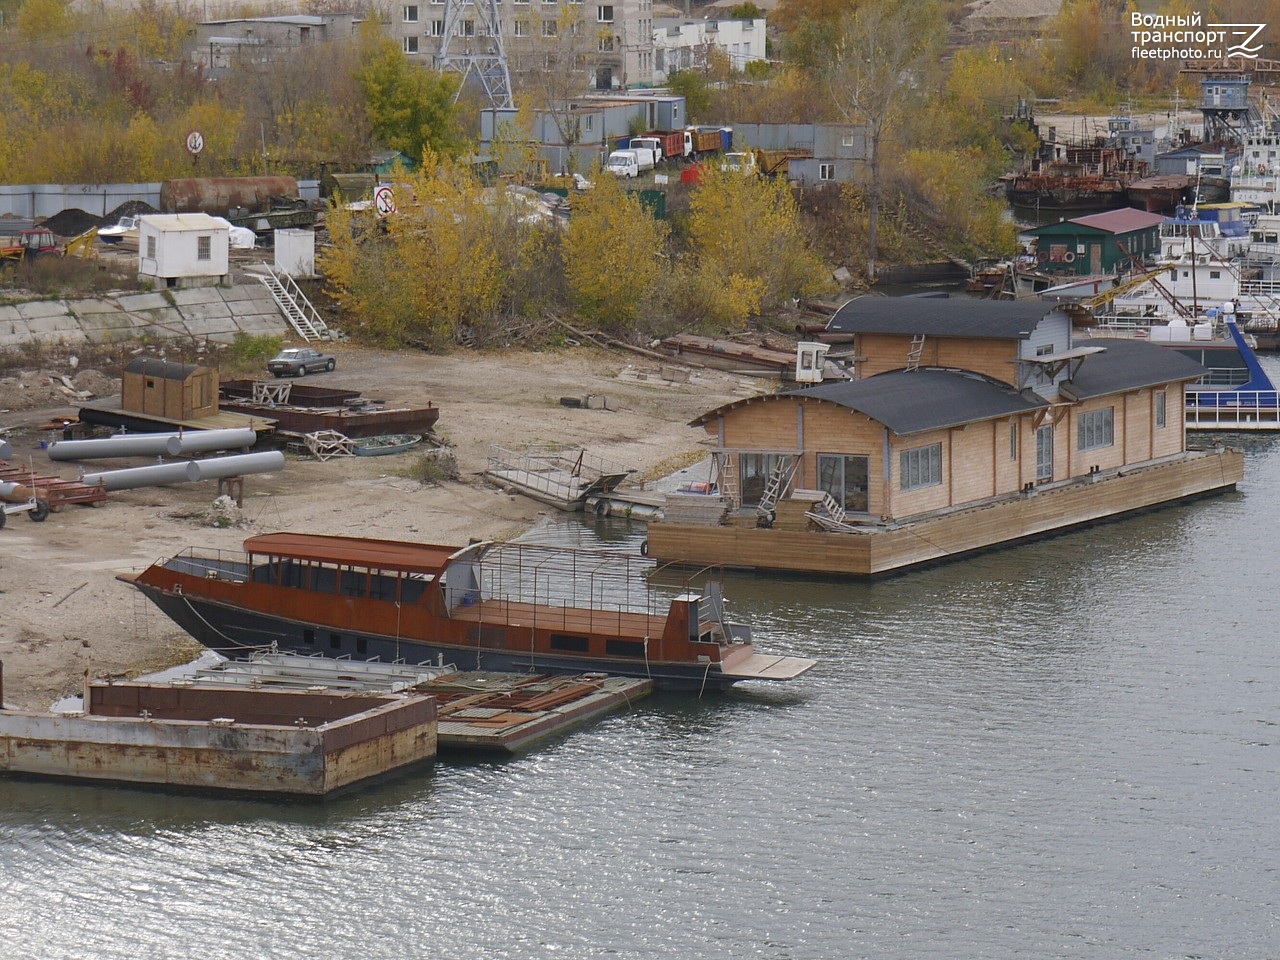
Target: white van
x=623, y=163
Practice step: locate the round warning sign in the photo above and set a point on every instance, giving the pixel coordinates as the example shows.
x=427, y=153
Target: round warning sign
x=384, y=200
x=195, y=142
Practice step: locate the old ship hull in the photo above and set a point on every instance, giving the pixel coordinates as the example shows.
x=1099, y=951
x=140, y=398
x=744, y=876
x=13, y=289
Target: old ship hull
x=233, y=632
x=346, y=597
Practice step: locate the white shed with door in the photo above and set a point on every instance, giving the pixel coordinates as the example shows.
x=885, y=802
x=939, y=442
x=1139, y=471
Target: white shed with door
x=183, y=249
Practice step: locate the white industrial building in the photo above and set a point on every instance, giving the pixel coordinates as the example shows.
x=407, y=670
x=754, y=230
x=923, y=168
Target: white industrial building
x=184, y=249
x=680, y=44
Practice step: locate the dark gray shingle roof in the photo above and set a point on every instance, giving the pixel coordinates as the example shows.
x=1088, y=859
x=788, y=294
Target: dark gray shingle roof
x=925, y=399
x=941, y=316
x=163, y=369
x=1128, y=365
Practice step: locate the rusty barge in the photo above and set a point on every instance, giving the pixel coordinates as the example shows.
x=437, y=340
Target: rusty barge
x=286, y=742
x=299, y=409
x=485, y=606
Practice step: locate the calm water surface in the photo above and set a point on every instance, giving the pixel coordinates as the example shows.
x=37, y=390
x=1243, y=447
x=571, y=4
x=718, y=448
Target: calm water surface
x=1066, y=749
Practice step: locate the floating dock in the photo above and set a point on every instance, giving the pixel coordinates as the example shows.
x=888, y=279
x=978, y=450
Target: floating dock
x=563, y=480
x=510, y=713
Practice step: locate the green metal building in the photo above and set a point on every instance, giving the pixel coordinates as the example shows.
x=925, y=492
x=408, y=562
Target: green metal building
x=1091, y=245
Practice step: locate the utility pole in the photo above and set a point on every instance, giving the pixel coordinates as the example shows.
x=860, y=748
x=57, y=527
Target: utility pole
x=482, y=49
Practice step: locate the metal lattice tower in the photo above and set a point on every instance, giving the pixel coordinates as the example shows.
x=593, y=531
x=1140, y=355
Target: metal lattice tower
x=473, y=42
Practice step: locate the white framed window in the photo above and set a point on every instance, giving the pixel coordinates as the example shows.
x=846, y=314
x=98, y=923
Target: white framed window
x=437, y=28
x=606, y=45
x=604, y=14
x=548, y=28
x=1160, y=409
x=410, y=44
x=1044, y=452
x=467, y=28
x=204, y=248
x=588, y=123
x=920, y=467
x=826, y=171
x=410, y=14
x=151, y=248
x=520, y=28
x=1095, y=429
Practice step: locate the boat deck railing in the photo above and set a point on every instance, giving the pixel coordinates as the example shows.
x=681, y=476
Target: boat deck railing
x=213, y=564
x=584, y=580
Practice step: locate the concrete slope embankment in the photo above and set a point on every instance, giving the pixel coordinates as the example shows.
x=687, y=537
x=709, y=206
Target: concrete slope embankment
x=201, y=313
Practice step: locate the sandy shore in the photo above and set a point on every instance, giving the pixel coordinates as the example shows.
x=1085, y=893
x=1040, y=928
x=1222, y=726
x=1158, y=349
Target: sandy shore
x=63, y=613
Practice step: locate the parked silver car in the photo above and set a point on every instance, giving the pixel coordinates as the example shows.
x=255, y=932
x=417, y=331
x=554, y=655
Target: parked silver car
x=299, y=361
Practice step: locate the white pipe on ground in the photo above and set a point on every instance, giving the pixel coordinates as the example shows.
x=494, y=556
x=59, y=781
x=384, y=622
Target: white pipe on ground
x=219, y=467
x=152, y=476
x=153, y=444
x=6, y=450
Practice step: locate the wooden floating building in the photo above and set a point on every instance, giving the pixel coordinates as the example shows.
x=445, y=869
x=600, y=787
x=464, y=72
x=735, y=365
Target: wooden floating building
x=969, y=424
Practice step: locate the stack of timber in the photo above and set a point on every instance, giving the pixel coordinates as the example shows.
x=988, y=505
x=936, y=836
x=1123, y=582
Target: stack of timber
x=699, y=508
x=741, y=358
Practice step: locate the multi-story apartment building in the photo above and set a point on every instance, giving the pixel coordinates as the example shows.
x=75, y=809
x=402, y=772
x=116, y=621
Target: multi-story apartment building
x=686, y=44
x=612, y=41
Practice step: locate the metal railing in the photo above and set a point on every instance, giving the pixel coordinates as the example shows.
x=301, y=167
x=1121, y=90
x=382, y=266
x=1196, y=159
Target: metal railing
x=1233, y=409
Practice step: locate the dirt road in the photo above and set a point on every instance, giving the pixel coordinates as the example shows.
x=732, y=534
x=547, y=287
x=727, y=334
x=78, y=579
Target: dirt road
x=63, y=613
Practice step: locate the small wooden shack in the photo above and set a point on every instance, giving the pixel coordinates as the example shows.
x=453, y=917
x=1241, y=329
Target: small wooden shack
x=175, y=391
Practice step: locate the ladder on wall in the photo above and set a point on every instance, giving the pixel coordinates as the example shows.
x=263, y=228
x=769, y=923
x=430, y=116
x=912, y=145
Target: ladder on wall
x=293, y=303
x=726, y=480
x=777, y=484
x=915, y=353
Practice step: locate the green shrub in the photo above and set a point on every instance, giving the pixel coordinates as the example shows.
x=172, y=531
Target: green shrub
x=248, y=353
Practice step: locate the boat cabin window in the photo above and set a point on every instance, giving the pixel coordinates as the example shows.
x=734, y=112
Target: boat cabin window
x=335, y=641
x=309, y=637
x=569, y=642
x=624, y=648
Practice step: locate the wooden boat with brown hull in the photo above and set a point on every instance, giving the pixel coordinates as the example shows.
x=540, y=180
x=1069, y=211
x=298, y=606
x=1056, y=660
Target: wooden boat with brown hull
x=486, y=606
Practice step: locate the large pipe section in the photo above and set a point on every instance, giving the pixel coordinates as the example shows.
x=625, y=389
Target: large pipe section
x=6, y=450
x=153, y=444
x=219, y=467
x=187, y=470
x=153, y=476
x=202, y=441
x=11, y=492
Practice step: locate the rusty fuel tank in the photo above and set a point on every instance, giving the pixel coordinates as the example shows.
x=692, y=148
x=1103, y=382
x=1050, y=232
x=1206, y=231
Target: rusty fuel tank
x=217, y=196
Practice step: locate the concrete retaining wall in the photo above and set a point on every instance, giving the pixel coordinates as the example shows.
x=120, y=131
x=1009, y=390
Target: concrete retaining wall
x=212, y=313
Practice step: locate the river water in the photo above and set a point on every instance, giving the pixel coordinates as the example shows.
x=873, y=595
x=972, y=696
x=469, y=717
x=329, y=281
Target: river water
x=1063, y=749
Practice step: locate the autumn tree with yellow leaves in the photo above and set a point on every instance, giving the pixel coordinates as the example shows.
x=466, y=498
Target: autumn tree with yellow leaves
x=613, y=255
x=748, y=248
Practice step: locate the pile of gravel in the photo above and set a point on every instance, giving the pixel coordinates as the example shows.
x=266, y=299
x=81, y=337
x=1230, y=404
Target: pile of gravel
x=71, y=223
x=130, y=208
